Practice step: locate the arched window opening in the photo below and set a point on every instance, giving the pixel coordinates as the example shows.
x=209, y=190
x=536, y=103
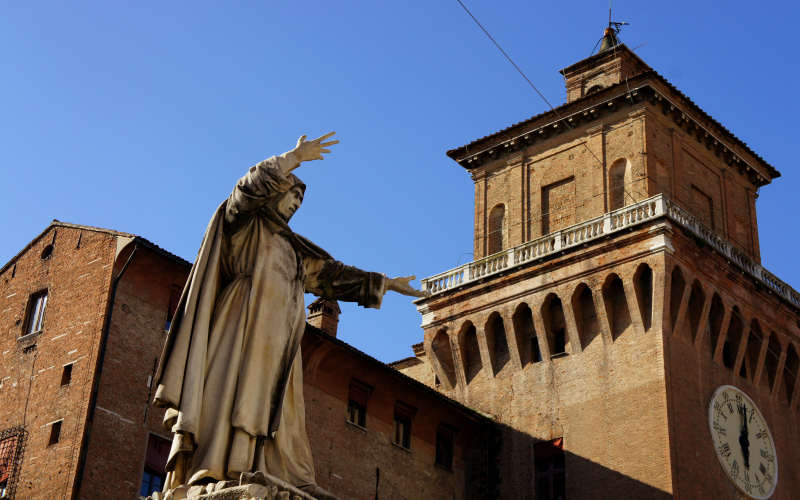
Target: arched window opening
x=470, y=352
x=496, y=232
x=790, y=372
x=619, y=317
x=731, y=346
x=444, y=354
x=697, y=299
x=585, y=315
x=675, y=295
x=593, y=89
x=498, y=344
x=715, y=316
x=771, y=360
x=752, y=352
x=619, y=184
x=555, y=326
x=643, y=285
x=525, y=334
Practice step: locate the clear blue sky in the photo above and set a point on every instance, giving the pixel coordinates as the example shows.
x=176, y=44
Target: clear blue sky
x=140, y=116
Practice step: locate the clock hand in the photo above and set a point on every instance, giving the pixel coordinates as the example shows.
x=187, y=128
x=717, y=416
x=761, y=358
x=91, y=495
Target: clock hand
x=744, y=439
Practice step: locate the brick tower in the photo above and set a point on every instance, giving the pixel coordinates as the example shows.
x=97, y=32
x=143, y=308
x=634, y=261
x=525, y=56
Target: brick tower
x=616, y=285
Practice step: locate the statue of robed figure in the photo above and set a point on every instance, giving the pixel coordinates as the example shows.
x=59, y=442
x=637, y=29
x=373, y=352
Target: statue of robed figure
x=230, y=374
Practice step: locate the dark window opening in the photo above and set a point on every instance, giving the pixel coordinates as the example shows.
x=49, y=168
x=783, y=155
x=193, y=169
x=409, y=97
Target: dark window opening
x=445, y=437
x=549, y=469
x=555, y=325
x=403, y=415
x=643, y=284
x=790, y=372
x=675, y=295
x=154, y=465
x=498, y=343
x=697, y=299
x=752, y=352
x=619, y=317
x=47, y=252
x=357, y=402
x=771, y=360
x=715, y=316
x=470, y=352
x=55, y=433
x=585, y=315
x=34, y=317
x=444, y=354
x=12, y=444
x=66, y=375
x=731, y=346
x=525, y=333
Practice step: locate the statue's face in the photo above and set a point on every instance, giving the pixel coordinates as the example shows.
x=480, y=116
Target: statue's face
x=290, y=202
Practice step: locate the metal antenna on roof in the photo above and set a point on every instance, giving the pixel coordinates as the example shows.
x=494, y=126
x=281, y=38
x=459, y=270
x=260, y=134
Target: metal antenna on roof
x=610, y=37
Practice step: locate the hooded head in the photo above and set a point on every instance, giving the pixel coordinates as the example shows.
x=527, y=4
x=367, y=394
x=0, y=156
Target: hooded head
x=288, y=197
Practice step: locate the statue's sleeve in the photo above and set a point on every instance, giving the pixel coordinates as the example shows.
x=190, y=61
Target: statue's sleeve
x=258, y=184
x=330, y=279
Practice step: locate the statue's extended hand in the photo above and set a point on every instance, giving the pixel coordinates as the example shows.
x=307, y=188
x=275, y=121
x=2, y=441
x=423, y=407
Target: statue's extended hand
x=313, y=150
x=402, y=285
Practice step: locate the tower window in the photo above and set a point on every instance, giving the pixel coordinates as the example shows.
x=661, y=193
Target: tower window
x=495, y=234
x=155, y=465
x=55, y=433
x=34, y=318
x=66, y=375
x=555, y=324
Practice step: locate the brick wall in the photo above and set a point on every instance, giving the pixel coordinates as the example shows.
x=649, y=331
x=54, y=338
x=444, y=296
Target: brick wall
x=77, y=276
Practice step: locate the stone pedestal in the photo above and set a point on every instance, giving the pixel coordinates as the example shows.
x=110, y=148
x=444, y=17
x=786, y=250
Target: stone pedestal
x=251, y=486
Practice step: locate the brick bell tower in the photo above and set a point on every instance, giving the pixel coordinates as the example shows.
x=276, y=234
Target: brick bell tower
x=616, y=287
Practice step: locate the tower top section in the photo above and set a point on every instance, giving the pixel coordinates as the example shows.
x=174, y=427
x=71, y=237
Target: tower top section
x=614, y=63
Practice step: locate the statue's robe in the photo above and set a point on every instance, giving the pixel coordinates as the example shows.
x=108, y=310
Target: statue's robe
x=231, y=371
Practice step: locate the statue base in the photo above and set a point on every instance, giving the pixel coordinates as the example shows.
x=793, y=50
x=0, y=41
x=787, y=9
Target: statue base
x=250, y=486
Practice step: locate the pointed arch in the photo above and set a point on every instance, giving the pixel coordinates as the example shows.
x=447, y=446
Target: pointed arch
x=697, y=300
x=752, y=352
x=731, y=346
x=555, y=326
x=714, y=326
x=585, y=314
x=677, y=284
x=496, y=234
x=643, y=285
x=771, y=360
x=619, y=317
x=525, y=334
x=497, y=342
x=619, y=184
x=444, y=354
x=790, y=369
x=470, y=351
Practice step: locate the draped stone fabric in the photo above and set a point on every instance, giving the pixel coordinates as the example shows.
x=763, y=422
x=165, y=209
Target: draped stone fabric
x=231, y=371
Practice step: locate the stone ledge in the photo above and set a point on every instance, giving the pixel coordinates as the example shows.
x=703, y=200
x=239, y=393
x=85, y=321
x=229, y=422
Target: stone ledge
x=251, y=486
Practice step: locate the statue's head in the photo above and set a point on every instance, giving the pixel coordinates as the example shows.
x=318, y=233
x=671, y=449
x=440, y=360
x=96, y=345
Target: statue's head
x=290, y=201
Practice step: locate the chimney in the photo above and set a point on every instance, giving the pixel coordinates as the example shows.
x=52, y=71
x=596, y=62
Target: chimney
x=324, y=314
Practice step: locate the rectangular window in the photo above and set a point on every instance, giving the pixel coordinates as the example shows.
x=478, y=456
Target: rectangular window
x=403, y=415
x=548, y=460
x=445, y=439
x=55, y=433
x=34, y=317
x=357, y=402
x=66, y=375
x=11, y=448
x=154, y=465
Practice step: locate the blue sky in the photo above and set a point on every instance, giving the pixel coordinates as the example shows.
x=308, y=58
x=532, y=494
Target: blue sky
x=141, y=116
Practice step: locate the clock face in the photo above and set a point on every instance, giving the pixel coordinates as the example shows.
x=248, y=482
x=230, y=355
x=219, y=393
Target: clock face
x=743, y=442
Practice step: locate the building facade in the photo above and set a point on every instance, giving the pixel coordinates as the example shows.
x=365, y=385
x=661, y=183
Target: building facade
x=616, y=288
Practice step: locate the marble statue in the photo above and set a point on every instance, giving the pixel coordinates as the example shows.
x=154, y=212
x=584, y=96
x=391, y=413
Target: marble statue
x=230, y=374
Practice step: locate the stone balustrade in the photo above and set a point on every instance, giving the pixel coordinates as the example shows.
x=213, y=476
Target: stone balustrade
x=599, y=227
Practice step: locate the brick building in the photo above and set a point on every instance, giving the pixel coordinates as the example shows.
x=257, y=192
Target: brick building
x=83, y=318
x=616, y=287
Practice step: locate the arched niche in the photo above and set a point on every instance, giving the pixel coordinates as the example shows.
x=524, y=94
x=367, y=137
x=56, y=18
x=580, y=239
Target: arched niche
x=496, y=231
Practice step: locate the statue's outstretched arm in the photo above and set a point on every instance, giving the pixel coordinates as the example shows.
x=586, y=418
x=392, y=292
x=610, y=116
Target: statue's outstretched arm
x=311, y=150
